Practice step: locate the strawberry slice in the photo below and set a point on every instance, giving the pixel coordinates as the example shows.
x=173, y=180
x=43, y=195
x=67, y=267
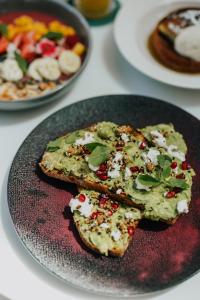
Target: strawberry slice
x=18, y=40
x=28, y=52
x=46, y=48
x=29, y=37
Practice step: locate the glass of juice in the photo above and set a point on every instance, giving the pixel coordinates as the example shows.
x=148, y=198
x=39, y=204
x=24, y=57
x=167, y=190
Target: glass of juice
x=93, y=9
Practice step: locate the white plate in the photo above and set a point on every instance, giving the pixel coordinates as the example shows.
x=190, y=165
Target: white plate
x=133, y=25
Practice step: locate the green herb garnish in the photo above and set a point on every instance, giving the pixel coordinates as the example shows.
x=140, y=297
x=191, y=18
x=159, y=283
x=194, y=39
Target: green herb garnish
x=52, y=35
x=148, y=180
x=3, y=29
x=163, y=160
x=21, y=62
x=92, y=146
x=177, y=183
x=99, y=155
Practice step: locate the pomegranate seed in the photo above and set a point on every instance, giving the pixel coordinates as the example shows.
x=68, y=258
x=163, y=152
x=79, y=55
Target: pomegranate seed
x=110, y=213
x=115, y=206
x=98, y=173
x=103, y=177
x=103, y=167
x=142, y=145
x=171, y=194
x=134, y=169
x=131, y=230
x=174, y=165
x=94, y=215
x=82, y=198
x=102, y=202
x=180, y=176
x=185, y=165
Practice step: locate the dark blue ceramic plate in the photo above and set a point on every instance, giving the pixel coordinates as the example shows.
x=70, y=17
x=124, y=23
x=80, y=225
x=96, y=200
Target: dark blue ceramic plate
x=159, y=256
x=65, y=13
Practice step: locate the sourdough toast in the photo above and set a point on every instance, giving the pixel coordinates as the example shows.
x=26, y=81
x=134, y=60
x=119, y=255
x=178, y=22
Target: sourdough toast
x=144, y=169
x=104, y=225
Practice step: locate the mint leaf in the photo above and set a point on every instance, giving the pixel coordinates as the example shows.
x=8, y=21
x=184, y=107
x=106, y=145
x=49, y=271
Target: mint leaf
x=164, y=160
x=21, y=62
x=52, y=35
x=148, y=180
x=54, y=145
x=92, y=146
x=165, y=172
x=3, y=29
x=99, y=155
x=179, y=183
x=72, y=137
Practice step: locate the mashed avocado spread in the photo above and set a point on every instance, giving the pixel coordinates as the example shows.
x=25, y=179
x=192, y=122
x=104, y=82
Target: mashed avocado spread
x=105, y=225
x=147, y=166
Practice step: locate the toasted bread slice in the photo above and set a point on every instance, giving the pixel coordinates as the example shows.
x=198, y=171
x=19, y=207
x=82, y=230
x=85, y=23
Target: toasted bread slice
x=144, y=169
x=104, y=225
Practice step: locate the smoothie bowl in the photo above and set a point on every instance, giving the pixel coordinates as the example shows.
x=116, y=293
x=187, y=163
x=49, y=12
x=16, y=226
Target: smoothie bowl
x=41, y=53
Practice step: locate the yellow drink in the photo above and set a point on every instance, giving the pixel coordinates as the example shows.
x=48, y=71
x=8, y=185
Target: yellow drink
x=93, y=8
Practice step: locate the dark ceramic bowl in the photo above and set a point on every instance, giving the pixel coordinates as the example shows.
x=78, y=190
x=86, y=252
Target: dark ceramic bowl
x=65, y=13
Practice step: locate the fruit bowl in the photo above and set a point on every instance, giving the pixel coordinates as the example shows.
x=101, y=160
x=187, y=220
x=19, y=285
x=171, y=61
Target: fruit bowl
x=61, y=43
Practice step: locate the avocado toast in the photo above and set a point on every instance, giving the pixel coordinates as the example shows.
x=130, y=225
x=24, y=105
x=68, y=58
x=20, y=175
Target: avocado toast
x=145, y=169
x=104, y=225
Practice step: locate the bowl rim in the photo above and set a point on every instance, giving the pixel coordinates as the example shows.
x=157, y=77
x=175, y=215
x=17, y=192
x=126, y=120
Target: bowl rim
x=70, y=81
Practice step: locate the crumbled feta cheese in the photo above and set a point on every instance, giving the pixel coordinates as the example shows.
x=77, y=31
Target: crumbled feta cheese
x=165, y=194
x=85, y=208
x=151, y=156
x=128, y=215
x=114, y=170
x=158, y=139
x=104, y=225
x=119, y=191
x=182, y=207
x=140, y=186
x=125, y=137
x=88, y=138
x=173, y=151
x=116, y=234
x=118, y=157
x=128, y=173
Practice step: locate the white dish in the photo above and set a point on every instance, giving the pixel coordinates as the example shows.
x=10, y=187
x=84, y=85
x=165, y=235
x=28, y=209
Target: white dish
x=134, y=24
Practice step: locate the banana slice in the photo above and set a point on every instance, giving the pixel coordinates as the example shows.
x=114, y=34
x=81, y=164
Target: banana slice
x=49, y=69
x=10, y=70
x=33, y=69
x=69, y=62
x=46, y=68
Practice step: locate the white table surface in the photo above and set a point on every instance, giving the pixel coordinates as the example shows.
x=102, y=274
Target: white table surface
x=21, y=278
